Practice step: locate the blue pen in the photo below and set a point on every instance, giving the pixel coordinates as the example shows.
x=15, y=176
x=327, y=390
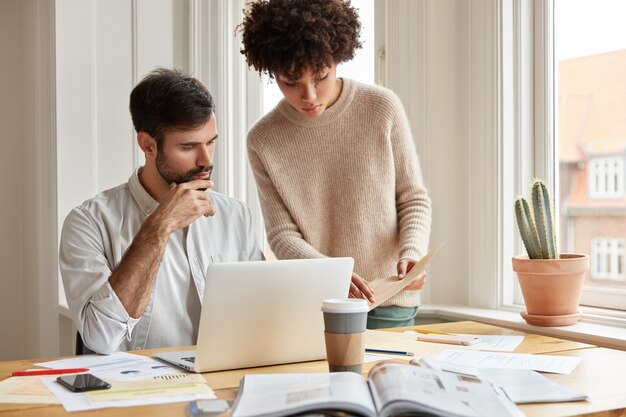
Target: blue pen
x=389, y=352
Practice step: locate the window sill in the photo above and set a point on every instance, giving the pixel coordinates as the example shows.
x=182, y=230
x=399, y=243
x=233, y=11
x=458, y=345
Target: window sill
x=611, y=335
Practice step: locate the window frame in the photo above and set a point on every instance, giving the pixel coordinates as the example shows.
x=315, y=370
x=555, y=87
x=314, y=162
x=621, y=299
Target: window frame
x=527, y=113
x=598, y=304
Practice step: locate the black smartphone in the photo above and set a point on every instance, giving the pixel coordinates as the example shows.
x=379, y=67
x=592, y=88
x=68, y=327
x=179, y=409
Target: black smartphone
x=83, y=382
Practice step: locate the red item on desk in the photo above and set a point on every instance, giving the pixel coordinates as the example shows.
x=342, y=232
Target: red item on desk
x=49, y=371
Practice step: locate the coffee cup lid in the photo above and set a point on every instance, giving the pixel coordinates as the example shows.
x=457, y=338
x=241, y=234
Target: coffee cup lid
x=345, y=305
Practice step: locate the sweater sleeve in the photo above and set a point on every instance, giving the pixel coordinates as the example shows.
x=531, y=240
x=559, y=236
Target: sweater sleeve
x=283, y=234
x=412, y=202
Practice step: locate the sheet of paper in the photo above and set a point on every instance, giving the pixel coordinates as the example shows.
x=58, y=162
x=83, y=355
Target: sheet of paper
x=522, y=386
x=119, y=366
x=135, y=393
x=125, y=397
x=542, y=363
x=385, y=288
x=26, y=390
x=369, y=357
x=490, y=342
x=496, y=342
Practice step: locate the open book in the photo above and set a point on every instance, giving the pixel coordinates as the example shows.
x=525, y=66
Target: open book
x=392, y=389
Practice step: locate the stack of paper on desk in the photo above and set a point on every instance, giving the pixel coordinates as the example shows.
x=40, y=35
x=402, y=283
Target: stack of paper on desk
x=120, y=366
x=542, y=363
x=505, y=343
x=522, y=386
x=135, y=380
x=385, y=340
x=26, y=390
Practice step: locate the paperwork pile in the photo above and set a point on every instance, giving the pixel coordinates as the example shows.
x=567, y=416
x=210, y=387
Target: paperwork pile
x=135, y=380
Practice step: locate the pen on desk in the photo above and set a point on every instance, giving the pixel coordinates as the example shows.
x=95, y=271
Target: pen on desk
x=389, y=352
x=49, y=371
x=423, y=331
x=448, y=338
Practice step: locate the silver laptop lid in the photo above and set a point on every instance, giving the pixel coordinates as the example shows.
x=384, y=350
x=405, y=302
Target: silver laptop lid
x=267, y=312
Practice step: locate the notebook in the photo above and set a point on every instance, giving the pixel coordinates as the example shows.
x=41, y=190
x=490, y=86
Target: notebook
x=264, y=313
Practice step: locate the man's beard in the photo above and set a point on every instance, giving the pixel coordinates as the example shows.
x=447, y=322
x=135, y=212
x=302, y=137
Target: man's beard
x=171, y=176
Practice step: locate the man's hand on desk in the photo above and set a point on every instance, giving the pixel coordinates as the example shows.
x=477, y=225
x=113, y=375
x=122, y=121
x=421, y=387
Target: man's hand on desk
x=359, y=288
x=404, y=266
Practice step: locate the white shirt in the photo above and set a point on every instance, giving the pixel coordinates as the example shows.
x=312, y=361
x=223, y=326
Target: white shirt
x=95, y=237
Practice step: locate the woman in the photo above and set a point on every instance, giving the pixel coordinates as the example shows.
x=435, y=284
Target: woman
x=334, y=161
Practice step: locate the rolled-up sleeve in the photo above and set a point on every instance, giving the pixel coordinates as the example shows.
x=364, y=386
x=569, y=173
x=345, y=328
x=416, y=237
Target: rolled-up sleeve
x=97, y=312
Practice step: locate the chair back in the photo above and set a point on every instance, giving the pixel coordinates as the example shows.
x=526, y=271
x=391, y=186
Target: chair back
x=81, y=349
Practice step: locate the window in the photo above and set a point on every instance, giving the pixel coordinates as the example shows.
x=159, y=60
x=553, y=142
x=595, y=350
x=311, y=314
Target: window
x=590, y=135
x=606, y=177
x=607, y=259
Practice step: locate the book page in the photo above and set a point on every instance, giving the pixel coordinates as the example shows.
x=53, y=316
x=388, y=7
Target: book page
x=287, y=394
x=400, y=389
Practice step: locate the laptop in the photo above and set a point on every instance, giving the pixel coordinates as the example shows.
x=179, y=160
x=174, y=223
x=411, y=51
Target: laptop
x=262, y=313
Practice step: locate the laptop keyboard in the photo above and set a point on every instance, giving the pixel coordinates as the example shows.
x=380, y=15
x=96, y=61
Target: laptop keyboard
x=191, y=359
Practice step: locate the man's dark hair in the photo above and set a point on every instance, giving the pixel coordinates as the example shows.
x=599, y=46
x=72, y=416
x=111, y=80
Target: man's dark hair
x=285, y=37
x=168, y=100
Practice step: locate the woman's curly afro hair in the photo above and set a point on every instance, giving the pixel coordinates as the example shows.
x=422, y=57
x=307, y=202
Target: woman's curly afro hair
x=287, y=37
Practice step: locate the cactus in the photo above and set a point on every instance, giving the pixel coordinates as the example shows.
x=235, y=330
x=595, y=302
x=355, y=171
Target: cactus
x=537, y=227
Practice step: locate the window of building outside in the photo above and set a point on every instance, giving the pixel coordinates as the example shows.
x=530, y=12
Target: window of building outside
x=590, y=83
x=606, y=177
x=607, y=259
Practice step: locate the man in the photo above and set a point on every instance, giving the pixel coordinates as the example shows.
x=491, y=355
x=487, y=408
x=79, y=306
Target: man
x=133, y=258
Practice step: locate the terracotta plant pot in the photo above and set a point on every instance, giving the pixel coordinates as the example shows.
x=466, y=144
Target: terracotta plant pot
x=551, y=288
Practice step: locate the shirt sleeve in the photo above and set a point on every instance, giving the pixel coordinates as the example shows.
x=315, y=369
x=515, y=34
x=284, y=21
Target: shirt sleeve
x=97, y=312
x=283, y=234
x=413, y=204
x=254, y=250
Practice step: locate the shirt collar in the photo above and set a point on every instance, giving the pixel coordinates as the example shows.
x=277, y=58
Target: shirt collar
x=141, y=196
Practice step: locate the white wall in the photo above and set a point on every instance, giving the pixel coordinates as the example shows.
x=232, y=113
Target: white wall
x=441, y=59
x=27, y=224
x=11, y=218
x=429, y=74
x=102, y=50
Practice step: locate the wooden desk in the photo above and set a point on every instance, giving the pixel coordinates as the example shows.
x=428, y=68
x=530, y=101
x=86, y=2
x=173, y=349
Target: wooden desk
x=601, y=375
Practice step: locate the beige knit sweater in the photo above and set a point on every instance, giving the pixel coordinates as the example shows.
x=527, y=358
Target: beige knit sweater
x=347, y=183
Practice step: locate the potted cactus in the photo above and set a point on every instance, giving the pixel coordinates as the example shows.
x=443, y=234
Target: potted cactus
x=551, y=283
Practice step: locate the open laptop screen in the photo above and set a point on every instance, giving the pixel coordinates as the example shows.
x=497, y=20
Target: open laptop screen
x=267, y=312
